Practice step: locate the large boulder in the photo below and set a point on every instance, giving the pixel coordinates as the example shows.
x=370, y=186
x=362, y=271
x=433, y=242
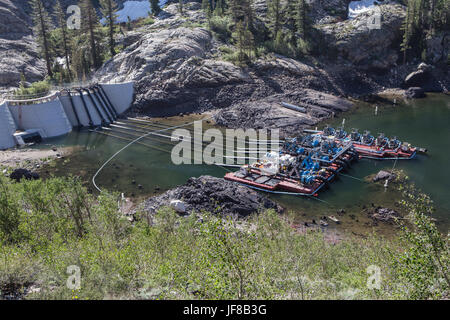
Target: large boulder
x=417, y=78
x=19, y=57
x=20, y=174
x=414, y=93
x=214, y=195
x=170, y=67
x=366, y=46
x=385, y=215
x=383, y=175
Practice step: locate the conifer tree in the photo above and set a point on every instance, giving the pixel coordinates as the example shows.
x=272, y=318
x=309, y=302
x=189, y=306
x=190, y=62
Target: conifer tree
x=274, y=16
x=89, y=26
x=206, y=6
x=62, y=24
x=302, y=18
x=220, y=7
x=181, y=7
x=407, y=26
x=41, y=23
x=109, y=9
x=154, y=5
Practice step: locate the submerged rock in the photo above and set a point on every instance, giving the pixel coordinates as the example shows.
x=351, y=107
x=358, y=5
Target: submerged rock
x=384, y=215
x=214, y=195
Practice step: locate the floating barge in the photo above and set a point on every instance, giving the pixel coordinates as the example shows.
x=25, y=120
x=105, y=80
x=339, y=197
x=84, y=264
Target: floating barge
x=303, y=167
x=307, y=164
x=381, y=148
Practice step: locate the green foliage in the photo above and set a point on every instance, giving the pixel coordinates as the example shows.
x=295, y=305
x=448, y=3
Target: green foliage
x=146, y=22
x=424, y=266
x=90, y=27
x=423, y=19
x=46, y=226
x=41, y=26
x=154, y=6
x=108, y=9
x=221, y=26
x=39, y=88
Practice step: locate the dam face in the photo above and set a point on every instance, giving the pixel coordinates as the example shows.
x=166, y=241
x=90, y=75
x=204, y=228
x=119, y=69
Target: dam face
x=57, y=114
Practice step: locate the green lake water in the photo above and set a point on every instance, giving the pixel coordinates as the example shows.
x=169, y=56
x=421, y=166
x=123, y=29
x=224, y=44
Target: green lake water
x=424, y=123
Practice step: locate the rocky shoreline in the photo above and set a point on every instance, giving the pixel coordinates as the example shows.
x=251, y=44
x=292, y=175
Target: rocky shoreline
x=214, y=195
x=32, y=158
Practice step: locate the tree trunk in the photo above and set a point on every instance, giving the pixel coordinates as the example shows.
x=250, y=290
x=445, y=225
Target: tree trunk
x=44, y=39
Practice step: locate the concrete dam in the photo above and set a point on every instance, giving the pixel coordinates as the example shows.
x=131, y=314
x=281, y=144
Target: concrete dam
x=58, y=113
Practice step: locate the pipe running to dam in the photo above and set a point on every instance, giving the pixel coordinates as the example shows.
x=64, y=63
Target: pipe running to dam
x=74, y=109
x=102, y=108
x=110, y=114
x=107, y=98
x=102, y=119
x=91, y=123
x=110, y=108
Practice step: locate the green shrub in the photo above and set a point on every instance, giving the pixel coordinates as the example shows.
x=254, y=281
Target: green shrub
x=220, y=25
x=46, y=226
x=39, y=88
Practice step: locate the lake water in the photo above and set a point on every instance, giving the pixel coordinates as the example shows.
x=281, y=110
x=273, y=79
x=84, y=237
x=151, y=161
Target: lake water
x=424, y=123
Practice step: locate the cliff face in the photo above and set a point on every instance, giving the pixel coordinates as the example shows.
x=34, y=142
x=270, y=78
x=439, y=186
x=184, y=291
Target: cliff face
x=18, y=51
x=364, y=44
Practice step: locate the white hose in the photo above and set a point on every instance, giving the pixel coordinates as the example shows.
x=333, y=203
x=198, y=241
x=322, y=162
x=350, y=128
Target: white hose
x=134, y=141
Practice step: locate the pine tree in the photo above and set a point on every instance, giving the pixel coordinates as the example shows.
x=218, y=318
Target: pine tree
x=302, y=18
x=89, y=26
x=154, y=5
x=241, y=10
x=41, y=23
x=181, y=7
x=242, y=16
x=274, y=16
x=109, y=9
x=206, y=6
x=62, y=24
x=220, y=8
x=407, y=29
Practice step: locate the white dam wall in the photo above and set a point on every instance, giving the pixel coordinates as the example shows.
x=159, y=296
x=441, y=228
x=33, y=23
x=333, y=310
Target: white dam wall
x=56, y=115
x=121, y=95
x=49, y=117
x=7, y=127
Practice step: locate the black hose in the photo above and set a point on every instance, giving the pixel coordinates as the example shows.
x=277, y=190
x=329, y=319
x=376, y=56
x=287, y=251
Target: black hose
x=79, y=124
x=107, y=99
x=111, y=110
x=91, y=123
x=94, y=95
x=96, y=107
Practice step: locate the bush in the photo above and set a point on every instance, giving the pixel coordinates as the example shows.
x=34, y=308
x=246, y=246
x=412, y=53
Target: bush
x=220, y=25
x=56, y=223
x=39, y=88
x=146, y=22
